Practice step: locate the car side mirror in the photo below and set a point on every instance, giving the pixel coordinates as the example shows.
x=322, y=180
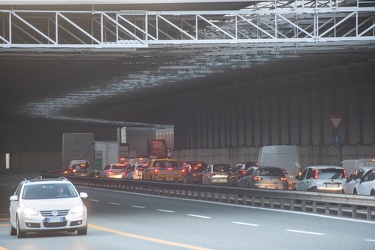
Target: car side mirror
x=14, y=198
x=83, y=195
x=298, y=177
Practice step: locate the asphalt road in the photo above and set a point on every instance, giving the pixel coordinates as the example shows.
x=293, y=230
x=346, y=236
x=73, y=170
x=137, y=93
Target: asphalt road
x=120, y=220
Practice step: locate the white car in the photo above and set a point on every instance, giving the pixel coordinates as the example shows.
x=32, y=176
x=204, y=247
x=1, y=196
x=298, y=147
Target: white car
x=135, y=172
x=113, y=170
x=366, y=186
x=321, y=179
x=351, y=184
x=40, y=205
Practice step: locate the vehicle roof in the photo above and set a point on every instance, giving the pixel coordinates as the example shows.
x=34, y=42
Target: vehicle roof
x=325, y=166
x=40, y=179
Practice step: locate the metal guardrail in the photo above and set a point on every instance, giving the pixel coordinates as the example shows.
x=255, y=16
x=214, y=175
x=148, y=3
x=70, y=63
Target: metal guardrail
x=341, y=205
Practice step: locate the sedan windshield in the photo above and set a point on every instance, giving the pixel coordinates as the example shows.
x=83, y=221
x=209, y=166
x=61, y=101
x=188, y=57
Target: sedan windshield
x=49, y=191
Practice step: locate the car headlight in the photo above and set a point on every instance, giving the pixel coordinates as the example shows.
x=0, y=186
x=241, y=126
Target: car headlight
x=30, y=211
x=77, y=210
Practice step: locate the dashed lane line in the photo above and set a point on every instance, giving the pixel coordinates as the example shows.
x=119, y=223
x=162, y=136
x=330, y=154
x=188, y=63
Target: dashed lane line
x=305, y=232
x=165, y=211
x=199, y=216
x=140, y=237
x=138, y=207
x=114, y=203
x=246, y=224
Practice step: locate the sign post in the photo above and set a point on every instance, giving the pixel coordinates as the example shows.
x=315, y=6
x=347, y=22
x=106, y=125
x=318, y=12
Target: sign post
x=335, y=121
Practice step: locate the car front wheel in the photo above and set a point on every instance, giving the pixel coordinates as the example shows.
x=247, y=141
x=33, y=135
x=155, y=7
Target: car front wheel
x=12, y=230
x=20, y=233
x=82, y=231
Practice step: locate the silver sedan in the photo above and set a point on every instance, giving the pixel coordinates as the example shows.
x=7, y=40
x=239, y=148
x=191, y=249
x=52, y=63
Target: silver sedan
x=264, y=177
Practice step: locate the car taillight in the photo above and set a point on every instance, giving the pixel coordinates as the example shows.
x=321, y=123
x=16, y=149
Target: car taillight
x=212, y=173
x=156, y=171
x=243, y=171
x=111, y=172
x=282, y=178
x=257, y=178
x=136, y=172
x=345, y=174
x=316, y=174
x=74, y=170
x=169, y=169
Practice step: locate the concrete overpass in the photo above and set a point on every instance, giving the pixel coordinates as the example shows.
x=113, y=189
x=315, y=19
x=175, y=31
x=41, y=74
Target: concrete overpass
x=228, y=76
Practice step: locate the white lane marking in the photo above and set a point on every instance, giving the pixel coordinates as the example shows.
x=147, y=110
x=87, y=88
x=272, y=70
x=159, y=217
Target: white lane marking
x=246, y=224
x=304, y=232
x=370, y=240
x=199, y=216
x=93, y=200
x=237, y=205
x=166, y=211
x=138, y=207
x=114, y=203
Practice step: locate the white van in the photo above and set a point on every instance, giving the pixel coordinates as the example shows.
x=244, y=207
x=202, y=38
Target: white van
x=352, y=165
x=285, y=157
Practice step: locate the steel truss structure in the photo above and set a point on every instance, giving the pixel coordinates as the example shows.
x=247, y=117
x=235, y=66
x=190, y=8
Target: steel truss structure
x=280, y=22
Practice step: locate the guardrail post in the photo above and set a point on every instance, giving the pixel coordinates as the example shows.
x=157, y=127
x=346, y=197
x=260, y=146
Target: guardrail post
x=303, y=205
x=339, y=210
x=326, y=206
x=369, y=213
x=227, y=196
x=271, y=202
x=292, y=205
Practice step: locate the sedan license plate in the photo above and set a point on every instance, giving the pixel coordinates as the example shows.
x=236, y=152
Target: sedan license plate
x=54, y=219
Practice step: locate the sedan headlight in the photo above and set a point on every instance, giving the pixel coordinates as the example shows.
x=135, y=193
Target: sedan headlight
x=30, y=211
x=77, y=210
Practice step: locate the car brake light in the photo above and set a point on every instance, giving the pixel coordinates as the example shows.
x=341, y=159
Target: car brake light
x=212, y=173
x=222, y=170
x=316, y=174
x=74, y=170
x=136, y=172
x=169, y=169
x=282, y=178
x=243, y=171
x=195, y=168
x=156, y=171
x=111, y=172
x=257, y=178
x=345, y=174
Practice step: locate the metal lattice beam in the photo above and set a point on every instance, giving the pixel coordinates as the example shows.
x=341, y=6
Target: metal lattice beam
x=273, y=22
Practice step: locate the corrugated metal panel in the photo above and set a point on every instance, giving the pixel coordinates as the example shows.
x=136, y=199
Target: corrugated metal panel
x=316, y=117
x=368, y=109
x=305, y=117
x=353, y=113
x=295, y=118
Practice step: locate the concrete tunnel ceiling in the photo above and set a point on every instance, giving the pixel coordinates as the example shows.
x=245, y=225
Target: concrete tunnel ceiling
x=137, y=87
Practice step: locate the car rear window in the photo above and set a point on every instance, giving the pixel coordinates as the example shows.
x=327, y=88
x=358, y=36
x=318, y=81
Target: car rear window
x=118, y=167
x=198, y=167
x=271, y=172
x=221, y=167
x=331, y=173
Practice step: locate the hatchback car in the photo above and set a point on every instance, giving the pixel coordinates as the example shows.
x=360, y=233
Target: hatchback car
x=112, y=170
x=216, y=174
x=321, y=179
x=350, y=184
x=40, y=205
x=366, y=185
x=239, y=171
x=264, y=177
x=134, y=172
x=192, y=171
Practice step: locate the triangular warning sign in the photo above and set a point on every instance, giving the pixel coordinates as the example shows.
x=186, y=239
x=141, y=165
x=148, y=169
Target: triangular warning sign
x=335, y=121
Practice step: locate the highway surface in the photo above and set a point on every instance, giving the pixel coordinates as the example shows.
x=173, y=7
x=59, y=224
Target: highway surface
x=121, y=220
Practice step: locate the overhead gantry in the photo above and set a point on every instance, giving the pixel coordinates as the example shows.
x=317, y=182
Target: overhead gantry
x=284, y=23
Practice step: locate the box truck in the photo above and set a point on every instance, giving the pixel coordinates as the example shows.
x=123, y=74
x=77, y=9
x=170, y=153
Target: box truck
x=285, y=157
